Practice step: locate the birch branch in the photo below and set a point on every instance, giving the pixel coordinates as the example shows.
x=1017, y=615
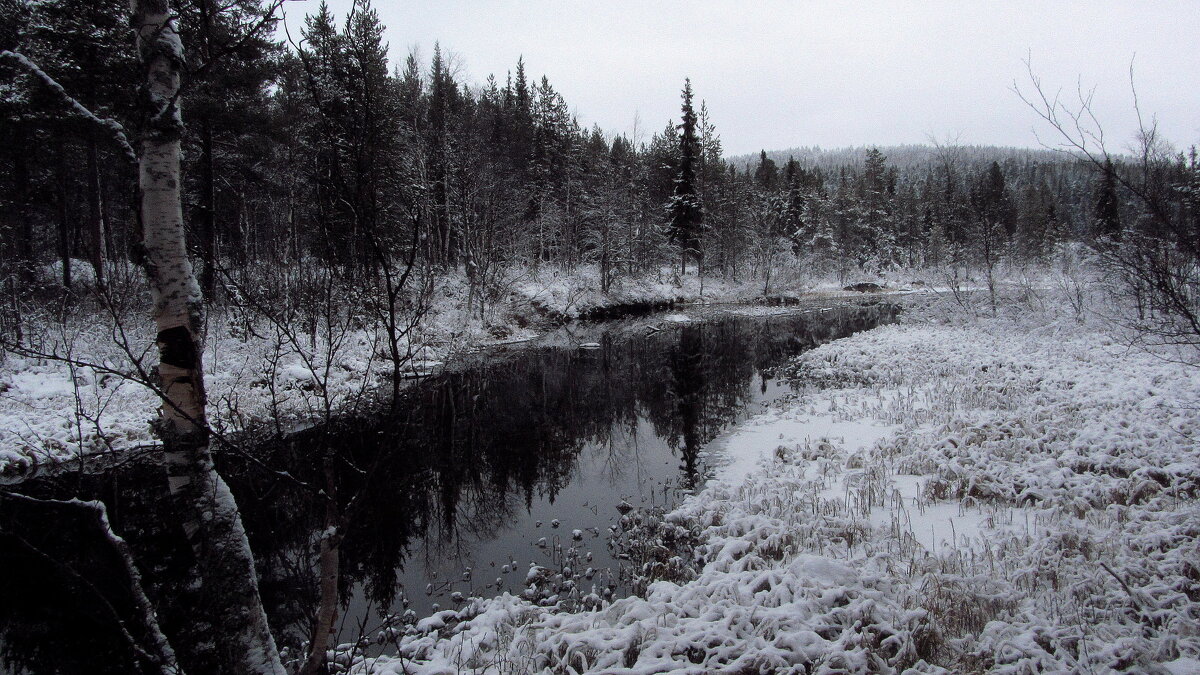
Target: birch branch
x=114, y=129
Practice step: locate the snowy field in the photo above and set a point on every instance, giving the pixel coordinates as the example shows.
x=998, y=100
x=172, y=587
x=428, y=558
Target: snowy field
x=952, y=494
x=967, y=495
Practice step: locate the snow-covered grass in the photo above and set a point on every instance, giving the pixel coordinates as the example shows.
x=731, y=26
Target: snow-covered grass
x=329, y=357
x=972, y=495
x=959, y=493
x=52, y=410
x=577, y=293
x=321, y=363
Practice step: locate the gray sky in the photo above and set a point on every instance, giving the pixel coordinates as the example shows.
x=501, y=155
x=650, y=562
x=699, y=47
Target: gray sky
x=784, y=74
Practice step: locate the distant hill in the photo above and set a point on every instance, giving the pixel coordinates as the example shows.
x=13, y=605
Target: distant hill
x=903, y=157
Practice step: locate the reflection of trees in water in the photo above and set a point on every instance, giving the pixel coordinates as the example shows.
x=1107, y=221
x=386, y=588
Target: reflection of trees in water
x=697, y=386
x=474, y=444
x=63, y=590
x=469, y=450
x=33, y=596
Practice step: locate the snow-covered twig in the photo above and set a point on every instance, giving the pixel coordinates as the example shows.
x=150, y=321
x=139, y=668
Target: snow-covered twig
x=114, y=128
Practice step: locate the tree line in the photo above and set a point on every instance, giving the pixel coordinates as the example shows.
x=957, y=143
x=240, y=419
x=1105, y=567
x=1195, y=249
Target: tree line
x=315, y=149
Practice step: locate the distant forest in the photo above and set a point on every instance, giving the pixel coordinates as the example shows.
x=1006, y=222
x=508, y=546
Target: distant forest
x=314, y=147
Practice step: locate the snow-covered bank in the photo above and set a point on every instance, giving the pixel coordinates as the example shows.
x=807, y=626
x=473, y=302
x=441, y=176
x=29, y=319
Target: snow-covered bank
x=992, y=496
x=577, y=294
x=260, y=375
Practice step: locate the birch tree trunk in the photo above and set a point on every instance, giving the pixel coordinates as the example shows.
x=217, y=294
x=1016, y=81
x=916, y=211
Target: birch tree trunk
x=210, y=516
x=329, y=570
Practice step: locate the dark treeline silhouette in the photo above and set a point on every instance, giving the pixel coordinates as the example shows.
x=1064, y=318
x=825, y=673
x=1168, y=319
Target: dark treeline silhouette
x=468, y=449
x=323, y=152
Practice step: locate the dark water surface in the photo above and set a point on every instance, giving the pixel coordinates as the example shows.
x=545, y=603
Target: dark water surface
x=456, y=491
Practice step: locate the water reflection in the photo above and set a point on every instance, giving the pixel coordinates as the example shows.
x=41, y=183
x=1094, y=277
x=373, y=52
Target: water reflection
x=463, y=479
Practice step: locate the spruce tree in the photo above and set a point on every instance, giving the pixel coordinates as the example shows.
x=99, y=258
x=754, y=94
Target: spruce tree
x=84, y=48
x=1108, y=206
x=794, y=205
x=766, y=174
x=231, y=62
x=687, y=214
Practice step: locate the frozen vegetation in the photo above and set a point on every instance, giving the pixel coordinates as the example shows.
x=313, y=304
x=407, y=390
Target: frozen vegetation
x=1008, y=494
x=958, y=493
x=988, y=487
x=260, y=373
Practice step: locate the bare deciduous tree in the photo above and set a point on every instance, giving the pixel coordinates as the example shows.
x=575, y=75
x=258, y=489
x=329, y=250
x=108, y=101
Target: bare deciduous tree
x=1157, y=257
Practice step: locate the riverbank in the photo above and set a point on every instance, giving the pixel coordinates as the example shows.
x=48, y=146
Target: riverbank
x=518, y=453
x=280, y=378
x=951, y=494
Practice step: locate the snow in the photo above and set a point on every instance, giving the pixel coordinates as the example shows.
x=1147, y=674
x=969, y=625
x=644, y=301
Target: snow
x=1183, y=666
x=82, y=272
x=955, y=493
x=248, y=380
x=577, y=293
x=256, y=377
x=971, y=495
x=746, y=446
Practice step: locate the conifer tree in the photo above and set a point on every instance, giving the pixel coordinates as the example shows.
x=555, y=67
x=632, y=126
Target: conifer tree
x=766, y=174
x=875, y=209
x=687, y=213
x=1108, y=208
x=231, y=62
x=83, y=47
x=794, y=206
x=993, y=222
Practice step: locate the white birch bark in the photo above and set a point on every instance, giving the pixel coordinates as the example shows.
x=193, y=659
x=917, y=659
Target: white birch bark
x=211, y=519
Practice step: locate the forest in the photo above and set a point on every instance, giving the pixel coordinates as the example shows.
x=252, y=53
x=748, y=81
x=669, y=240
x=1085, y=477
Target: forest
x=305, y=257
x=314, y=151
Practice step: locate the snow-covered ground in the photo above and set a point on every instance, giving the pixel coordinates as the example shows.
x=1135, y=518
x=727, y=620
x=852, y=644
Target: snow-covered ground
x=1006, y=495
x=982, y=495
x=953, y=494
x=258, y=375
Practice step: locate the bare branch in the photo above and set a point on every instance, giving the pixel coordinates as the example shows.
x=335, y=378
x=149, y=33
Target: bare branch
x=113, y=128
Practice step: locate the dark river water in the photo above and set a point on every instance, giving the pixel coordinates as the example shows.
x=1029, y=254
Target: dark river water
x=520, y=455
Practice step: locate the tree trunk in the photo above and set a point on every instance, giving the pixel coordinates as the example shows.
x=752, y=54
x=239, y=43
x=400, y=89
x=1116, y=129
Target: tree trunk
x=329, y=558
x=20, y=200
x=64, y=225
x=208, y=200
x=210, y=516
x=95, y=232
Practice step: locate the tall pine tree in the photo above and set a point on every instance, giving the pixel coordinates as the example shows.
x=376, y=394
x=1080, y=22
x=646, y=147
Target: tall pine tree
x=687, y=213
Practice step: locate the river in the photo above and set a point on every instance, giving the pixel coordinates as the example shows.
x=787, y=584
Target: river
x=520, y=455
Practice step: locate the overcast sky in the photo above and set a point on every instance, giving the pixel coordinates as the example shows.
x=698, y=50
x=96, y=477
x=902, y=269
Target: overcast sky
x=785, y=74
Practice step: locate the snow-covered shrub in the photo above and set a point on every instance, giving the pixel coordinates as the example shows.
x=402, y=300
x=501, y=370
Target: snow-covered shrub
x=655, y=546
